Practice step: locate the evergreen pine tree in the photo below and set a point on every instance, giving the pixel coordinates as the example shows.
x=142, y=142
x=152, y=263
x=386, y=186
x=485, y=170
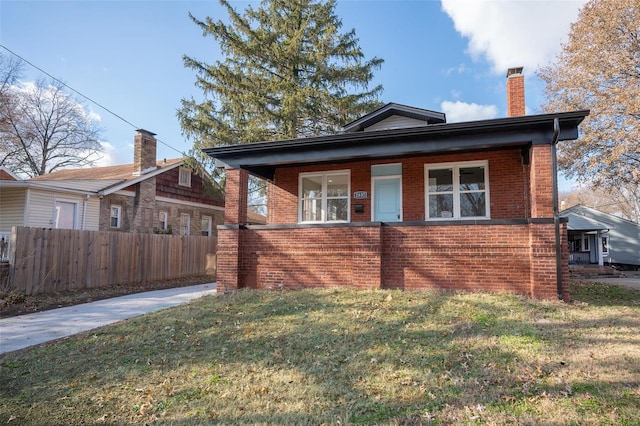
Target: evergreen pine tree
x=287, y=72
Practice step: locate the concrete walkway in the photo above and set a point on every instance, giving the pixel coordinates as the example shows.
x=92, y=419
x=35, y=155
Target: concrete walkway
x=32, y=329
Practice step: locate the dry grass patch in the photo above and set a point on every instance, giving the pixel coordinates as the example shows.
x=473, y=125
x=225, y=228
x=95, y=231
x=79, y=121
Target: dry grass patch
x=342, y=357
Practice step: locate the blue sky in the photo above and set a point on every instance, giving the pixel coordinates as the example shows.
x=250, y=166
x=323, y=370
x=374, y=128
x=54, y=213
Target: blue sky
x=449, y=55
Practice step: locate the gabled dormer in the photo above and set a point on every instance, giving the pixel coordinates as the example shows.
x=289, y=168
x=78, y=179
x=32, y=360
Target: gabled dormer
x=395, y=116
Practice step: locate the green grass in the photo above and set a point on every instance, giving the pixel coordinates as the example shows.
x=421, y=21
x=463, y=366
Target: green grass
x=343, y=357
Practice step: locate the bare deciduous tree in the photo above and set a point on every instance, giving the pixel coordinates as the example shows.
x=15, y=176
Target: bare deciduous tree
x=44, y=129
x=623, y=201
x=599, y=69
x=10, y=71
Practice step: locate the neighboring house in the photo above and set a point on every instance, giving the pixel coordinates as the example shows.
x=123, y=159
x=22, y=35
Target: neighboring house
x=403, y=199
x=601, y=238
x=146, y=196
x=6, y=174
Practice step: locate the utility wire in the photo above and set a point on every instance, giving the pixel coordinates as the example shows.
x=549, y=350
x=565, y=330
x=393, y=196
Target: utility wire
x=84, y=96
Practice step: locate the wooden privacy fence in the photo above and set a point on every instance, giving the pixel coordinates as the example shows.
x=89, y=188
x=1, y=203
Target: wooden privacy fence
x=50, y=260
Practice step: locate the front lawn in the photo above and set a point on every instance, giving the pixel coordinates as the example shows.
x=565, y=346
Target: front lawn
x=343, y=356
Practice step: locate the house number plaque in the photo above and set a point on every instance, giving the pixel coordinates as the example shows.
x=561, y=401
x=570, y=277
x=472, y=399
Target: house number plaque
x=360, y=195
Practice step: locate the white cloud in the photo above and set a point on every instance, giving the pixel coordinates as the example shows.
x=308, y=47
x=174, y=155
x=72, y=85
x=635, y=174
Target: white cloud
x=513, y=33
x=47, y=92
x=93, y=116
x=462, y=111
x=112, y=156
x=460, y=69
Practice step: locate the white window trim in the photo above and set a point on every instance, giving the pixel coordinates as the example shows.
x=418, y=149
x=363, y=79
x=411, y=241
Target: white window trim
x=585, y=247
x=456, y=189
x=182, y=170
x=76, y=211
x=188, y=224
x=119, y=217
x=163, y=215
x=209, y=227
x=324, y=176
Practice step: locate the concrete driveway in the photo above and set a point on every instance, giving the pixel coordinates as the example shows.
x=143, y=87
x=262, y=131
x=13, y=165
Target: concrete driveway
x=40, y=327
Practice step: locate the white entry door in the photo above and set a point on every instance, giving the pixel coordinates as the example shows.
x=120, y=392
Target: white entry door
x=387, y=205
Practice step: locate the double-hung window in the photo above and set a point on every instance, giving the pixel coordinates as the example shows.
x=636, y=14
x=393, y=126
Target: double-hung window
x=185, y=224
x=457, y=190
x=324, y=197
x=115, y=216
x=163, y=218
x=184, y=177
x=205, y=229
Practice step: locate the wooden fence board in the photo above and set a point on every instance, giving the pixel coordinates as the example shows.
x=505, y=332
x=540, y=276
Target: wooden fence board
x=48, y=260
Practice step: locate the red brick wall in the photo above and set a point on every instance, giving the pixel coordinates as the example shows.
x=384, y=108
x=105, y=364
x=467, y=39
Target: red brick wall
x=541, y=181
x=543, y=261
x=515, y=258
x=508, y=185
x=469, y=257
x=236, y=192
x=310, y=257
x=228, y=260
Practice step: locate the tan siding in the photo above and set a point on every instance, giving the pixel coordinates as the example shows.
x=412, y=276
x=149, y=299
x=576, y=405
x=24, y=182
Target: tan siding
x=93, y=215
x=39, y=209
x=11, y=208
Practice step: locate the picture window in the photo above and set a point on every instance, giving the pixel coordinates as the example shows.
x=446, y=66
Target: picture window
x=324, y=197
x=457, y=191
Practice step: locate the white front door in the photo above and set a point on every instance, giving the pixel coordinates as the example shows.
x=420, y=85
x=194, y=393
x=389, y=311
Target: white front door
x=387, y=205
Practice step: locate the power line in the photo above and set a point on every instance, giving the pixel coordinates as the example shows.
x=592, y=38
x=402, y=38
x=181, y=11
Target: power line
x=84, y=96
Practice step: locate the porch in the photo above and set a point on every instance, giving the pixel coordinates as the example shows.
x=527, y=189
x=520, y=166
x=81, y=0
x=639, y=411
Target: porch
x=588, y=240
x=579, y=258
x=491, y=255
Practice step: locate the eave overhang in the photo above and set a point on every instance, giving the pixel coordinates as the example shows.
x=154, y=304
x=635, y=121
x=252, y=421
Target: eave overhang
x=262, y=158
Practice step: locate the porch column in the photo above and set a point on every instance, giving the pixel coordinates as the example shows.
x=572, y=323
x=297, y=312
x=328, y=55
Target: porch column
x=598, y=248
x=230, y=250
x=236, y=193
x=541, y=182
x=544, y=270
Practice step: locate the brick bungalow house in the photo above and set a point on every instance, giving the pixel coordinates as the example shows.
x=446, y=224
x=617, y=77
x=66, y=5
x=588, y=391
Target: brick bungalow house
x=404, y=200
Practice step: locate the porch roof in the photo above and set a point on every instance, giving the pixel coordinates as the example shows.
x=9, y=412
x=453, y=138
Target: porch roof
x=262, y=158
x=581, y=223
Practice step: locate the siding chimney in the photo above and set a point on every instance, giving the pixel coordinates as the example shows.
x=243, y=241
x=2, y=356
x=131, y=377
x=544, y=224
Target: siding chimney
x=515, y=92
x=144, y=152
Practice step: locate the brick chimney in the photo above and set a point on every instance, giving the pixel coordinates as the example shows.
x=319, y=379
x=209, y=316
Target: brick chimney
x=144, y=152
x=515, y=92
